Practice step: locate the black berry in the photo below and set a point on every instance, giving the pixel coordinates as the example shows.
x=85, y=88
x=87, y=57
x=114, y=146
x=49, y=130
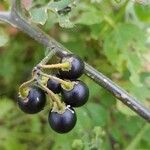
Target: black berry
x=76, y=69
x=62, y=123
x=34, y=102
x=54, y=86
x=77, y=96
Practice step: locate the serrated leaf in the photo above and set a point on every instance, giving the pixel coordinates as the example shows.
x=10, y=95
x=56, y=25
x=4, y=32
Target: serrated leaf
x=126, y=43
x=3, y=38
x=64, y=20
x=89, y=15
x=39, y=15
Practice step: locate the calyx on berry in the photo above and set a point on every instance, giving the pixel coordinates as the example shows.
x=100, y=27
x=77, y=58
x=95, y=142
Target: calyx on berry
x=76, y=67
x=62, y=122
x=34, y=102
x=77, y=96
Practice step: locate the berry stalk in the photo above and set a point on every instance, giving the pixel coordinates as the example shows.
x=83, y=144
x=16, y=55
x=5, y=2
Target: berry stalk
x=66, y=84
x=57, y=104
x=65, y=65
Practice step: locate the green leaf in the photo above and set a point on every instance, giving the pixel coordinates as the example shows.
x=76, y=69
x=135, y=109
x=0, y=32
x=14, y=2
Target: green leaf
x=84, y=121
x=97, y=113
x=39, y=15
x=89, y=15
x=134, y=143
x=143, y=12
x=35, y=124
x=136, y=91
x=61, y=139
x=124, y=47
x=89, y=18
x=77, y=144
x=13, y=142
x=64, y=21
x=56, y=6
x=124, y=109
x=3, y=38
x=5, y=106
x=134, y=64
x=95, y=31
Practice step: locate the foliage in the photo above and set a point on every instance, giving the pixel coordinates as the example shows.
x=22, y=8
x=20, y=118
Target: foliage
x=112, y=37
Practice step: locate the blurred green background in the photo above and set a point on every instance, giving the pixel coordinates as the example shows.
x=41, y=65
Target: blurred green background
x=112, y=37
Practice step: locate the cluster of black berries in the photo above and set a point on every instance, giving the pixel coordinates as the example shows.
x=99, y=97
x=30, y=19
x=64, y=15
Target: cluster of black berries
x=62, y=117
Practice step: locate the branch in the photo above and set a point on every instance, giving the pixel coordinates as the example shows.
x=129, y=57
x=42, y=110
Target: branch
x=5, y=17
x=37, y=34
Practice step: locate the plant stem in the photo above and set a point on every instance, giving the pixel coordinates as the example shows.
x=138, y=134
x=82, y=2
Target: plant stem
x=23, y=89
x=37, y=34
x=65, y=65
x=68, y=85
x=5, y=17
x=53, y=96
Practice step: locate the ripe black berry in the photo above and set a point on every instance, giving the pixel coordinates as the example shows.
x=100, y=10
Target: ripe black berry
x=77, y=96
x=34, y=102
x=54, y=86
x=62, y=123
x=77, y=67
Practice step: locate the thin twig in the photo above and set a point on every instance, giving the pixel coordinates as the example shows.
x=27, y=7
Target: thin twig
x=38, y=35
